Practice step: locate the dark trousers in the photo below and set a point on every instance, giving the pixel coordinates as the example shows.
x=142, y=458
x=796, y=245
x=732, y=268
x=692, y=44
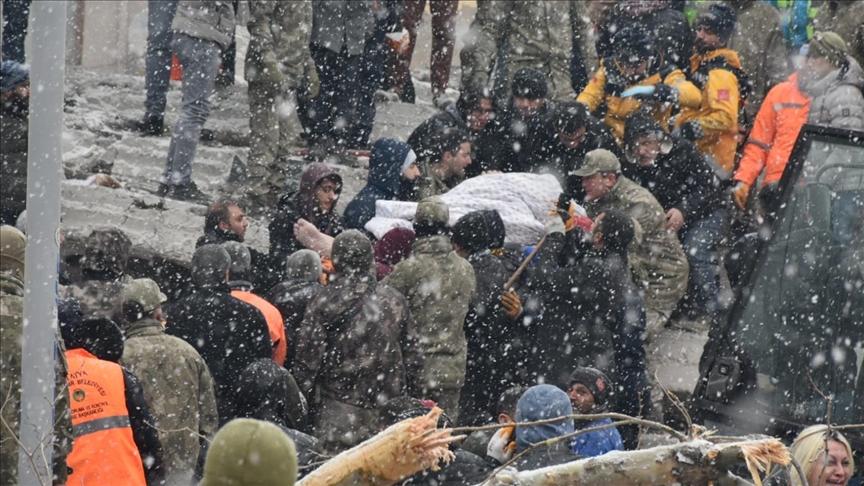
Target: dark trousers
x=443, y=40
x=16, y=14
x=330, y=117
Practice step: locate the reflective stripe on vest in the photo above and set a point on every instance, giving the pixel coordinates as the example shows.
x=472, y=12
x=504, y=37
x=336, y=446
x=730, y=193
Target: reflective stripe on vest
x=104, y=450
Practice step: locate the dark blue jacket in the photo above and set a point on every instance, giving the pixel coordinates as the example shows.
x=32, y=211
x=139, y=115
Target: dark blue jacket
x=598, y=442
x=543, y=402
x=385, y=171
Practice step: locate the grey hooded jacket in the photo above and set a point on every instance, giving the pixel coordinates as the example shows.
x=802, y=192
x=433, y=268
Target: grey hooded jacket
x=837, y=100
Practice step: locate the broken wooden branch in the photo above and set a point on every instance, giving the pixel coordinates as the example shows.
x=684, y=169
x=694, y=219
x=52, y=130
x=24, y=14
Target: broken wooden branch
x=398, y=452
x=694, y=462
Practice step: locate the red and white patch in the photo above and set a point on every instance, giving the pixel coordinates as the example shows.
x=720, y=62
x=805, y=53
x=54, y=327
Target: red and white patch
x=723, y=95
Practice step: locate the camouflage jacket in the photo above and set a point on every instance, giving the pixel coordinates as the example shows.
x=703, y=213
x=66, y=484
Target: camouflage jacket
x=440, y=287
x=540, y=35
x=432, y=185
x=11, y=329
x=179, y=390
x=363, y=361
x=280, y=33
x=98, y=298
x=658, y=255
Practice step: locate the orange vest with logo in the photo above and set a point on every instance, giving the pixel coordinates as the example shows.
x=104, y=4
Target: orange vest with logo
x=104, y=451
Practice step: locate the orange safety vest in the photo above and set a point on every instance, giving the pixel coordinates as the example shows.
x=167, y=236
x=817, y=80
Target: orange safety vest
x=275, y=324
x=104, y=451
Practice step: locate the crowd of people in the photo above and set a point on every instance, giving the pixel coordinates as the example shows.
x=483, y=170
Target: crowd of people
x=660, y=126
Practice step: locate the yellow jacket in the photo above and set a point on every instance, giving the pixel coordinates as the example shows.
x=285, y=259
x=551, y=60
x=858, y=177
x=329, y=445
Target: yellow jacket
x=713, y=125
x=608, y=84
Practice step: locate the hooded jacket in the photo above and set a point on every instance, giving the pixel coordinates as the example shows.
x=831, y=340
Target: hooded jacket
x=302, y=205
x=837, y=103
x=385, y=174
x=679, y=178
x=604, y=90
x=713, y=124
x=543, y=402
x=599, y=326
x=391, y=249
x=268, y=392
x=227, y=333
x=342, y=357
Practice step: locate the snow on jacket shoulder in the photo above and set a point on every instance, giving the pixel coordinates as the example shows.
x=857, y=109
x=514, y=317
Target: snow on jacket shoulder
x=211, y=20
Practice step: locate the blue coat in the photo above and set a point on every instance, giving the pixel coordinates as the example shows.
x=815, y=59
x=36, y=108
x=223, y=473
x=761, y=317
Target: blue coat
x=385, y=171
x=598, y=442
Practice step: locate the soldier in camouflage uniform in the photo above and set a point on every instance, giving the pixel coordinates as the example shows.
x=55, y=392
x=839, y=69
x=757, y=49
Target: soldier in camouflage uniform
x=176, y=381
x=11, y=329
x=540, y=35
x=658, y=257
x=104, y=270
x=279, y=68
x=356, y=348
x=439, y=286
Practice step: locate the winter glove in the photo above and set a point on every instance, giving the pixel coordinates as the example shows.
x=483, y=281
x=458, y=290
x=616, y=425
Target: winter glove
x=555, y=225
x=638, y=92
x=502, y=446
x=691, y=131
x=311, y=85
x=512, y=304
x=740, y=193
x=269, y=74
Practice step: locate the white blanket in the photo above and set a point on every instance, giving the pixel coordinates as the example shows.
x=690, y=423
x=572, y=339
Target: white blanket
x=524, y=202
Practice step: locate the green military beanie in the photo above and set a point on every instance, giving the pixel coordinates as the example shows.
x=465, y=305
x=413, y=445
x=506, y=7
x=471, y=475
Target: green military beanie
x=12, y=244
x=249, y=452
x=830, y=46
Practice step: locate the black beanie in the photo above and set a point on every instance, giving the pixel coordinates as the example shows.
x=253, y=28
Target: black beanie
x=633, y=44
x=595, y=381
x=529, y=83
x=471, y=232
x=721, y=19
x=497, y=231
x=640, y=124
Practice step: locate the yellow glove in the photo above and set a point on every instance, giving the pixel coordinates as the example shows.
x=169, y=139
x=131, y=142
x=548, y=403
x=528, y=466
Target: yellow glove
x=512, y=304
x=740, y=194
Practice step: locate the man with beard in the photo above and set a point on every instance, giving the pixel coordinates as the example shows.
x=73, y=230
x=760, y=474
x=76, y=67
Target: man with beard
x=637, y=77
x=716, y=70
x=527, y=113
x=393, y=176
x=14, y=121
x=825, y=91
x=473, y=113
x=444, y=167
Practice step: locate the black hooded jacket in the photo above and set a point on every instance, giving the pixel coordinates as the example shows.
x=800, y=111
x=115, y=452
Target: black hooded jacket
x=292, y=297
x=385, y=174
x=268, y=392
x=679, y=178
x=228, y=334
x=593, y=315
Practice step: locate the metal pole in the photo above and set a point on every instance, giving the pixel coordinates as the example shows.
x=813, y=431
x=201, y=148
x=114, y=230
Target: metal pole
x=44, y=173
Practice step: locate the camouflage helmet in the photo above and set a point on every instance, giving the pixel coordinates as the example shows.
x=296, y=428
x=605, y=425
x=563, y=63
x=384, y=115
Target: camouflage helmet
x=145, y=293
x=12, y=244
x=107, y=249
x=433, y=210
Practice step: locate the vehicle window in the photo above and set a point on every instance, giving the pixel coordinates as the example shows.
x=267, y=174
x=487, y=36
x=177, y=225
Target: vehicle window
x=805, y=316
